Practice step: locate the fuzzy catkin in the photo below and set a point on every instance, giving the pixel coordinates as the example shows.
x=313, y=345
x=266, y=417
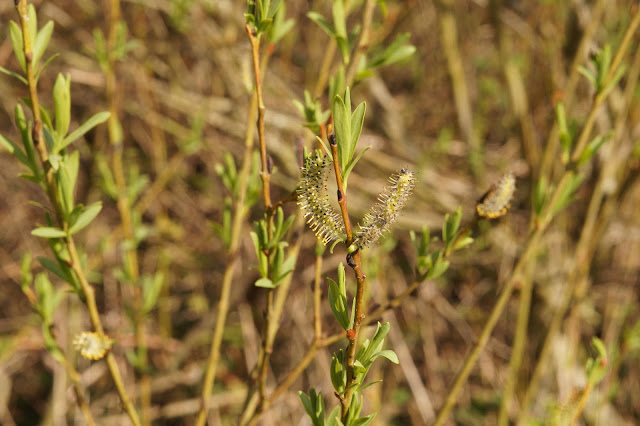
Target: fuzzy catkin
x=382, y=215
x=496, y=201
x=91, y=345
x=313, y=199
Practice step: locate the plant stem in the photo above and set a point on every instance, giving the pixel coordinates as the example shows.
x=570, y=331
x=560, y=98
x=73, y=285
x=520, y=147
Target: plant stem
x=317, y=296
x=449, y=38
x=39, y=143
x=232, y=264
x=124, y=208
x=78, y=389
x=363, y=42
x=581, y=403
x=356, y=265
x=519, y=345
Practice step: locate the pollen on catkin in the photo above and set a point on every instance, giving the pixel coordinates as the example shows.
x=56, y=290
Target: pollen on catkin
x=382, y=215
x=496, y=201
x=313, y=199
x=91, y=345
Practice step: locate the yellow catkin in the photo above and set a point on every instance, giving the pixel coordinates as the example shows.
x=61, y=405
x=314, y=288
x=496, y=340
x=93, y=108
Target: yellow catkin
x=313, y=199
x=496, y=201
x=91, y=345
x=386, y=210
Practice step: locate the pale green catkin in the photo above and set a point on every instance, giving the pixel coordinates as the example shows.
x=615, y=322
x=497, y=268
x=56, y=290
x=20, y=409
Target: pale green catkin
x=313, y=199
x=386, y=210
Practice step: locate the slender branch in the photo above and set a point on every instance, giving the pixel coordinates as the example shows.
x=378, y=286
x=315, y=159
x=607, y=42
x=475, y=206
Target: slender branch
x=266, y=172
x=51, y=186
x=317, y=293
x=363, y=42
x=449, y=38
x=78, y=388
x=234, y=259
x=124, y=208
x=356, y=265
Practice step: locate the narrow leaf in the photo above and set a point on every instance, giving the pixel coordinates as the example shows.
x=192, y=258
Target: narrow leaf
x=88, y=214
x=48, y=232
x=99, y=118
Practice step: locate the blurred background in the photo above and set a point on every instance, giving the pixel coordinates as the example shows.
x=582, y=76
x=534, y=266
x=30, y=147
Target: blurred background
x=475, y=101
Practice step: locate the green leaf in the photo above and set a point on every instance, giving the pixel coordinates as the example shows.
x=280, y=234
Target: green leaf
x=15, y=35
x=41, y=42
x=62, y=105
x=151, y=288
x=265, y=283
x=314, y=406
x=397, y=51
x=323, y=23
x=439, y=268
x=48, y=232
x=338, y=373
x=32, y=22
x=339, y=18
x=92, y=122
x=46, y=63
x=55, y=268
x=48, y=297
x=345, y=48
x=357, y=120
x=336, y=83
x=388, y=354
x=14, y=149
x=589, y=75
x=86, y=216
x=65, y=187
x=567, y=194
x=342, y=129
x=14, y=74
x=338, y=303
x=351, y=165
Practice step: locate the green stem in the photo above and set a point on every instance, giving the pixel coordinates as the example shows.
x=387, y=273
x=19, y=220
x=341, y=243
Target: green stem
x=38, y=140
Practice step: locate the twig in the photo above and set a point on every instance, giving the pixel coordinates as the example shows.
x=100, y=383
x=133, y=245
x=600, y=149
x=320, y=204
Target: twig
x=356, y=265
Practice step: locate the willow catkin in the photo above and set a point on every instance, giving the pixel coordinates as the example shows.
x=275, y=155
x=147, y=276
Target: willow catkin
x=313, y=199
x=386, y=210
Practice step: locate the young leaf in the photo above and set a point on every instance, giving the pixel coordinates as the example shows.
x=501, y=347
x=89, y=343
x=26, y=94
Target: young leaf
x=265, y=283
x=15, y=35
x=14, y=74
x=41, y=42
x=338, y=303
x=86, y=216
x=48, y=232
x=342, y=129
x=92, y=122
x=62, y=105
x=151, y=287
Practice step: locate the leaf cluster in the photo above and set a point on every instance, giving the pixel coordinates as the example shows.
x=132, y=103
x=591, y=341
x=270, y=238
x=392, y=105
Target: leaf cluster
x=273, y=264
x=432, y=264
